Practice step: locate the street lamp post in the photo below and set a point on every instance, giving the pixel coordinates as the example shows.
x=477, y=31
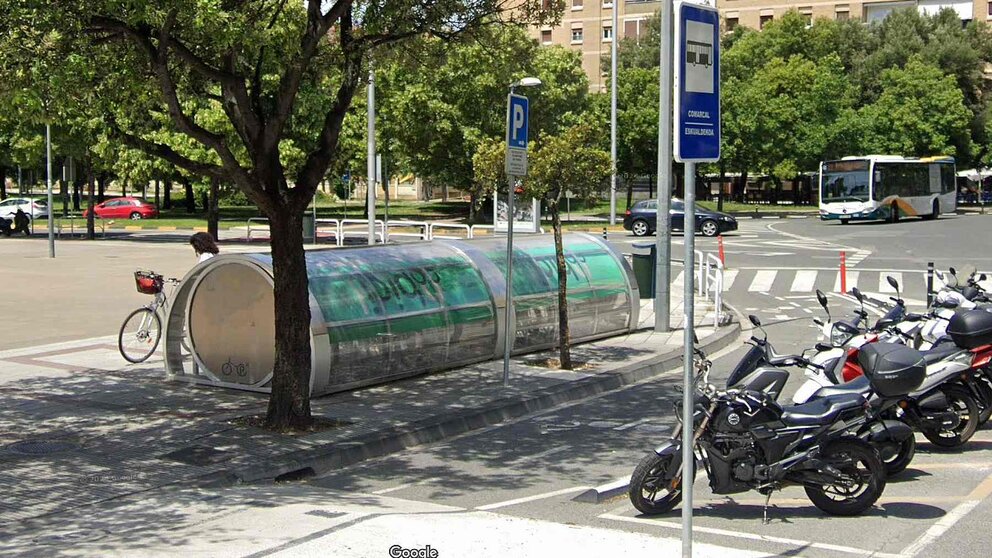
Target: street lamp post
x=51, y=211
x=507, y=329
x=613, y=115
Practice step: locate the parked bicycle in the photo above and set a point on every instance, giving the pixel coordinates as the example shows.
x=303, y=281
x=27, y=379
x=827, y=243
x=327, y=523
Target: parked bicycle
x=142, y=329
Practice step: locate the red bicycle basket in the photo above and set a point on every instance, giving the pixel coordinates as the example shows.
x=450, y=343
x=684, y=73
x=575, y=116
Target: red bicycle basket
x=148, y=283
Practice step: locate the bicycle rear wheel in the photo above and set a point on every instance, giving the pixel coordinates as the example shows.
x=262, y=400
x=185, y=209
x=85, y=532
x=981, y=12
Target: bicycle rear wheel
x=139, y=335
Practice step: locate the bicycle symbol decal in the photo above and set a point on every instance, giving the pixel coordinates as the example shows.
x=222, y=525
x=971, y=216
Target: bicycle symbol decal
x=240, y=369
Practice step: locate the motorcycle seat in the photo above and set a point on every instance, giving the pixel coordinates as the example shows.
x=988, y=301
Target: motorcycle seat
x=859, y=385
x=821, y=411
x=939, y=353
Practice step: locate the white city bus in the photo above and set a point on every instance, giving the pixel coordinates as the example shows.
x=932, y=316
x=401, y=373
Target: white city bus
x=887, y=187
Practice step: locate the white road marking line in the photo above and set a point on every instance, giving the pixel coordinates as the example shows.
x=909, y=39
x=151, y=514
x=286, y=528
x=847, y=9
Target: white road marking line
x=852, y=280
x=763, y=280
x=630, y=425
x=803, y=283
x=533, y=498
x=883, y=284
x=728, y=279
x=754, y=537
x=405, y=486
x=937, y=529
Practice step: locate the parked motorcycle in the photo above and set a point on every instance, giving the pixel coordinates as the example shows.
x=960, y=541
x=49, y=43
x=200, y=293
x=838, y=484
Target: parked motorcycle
x=746, y=441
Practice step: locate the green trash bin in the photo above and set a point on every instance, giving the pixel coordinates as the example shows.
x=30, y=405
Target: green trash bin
x=644, y=267
x=309, y=227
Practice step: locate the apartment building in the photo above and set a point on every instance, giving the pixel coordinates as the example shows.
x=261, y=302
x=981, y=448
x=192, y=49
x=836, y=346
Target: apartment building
x=586, y=24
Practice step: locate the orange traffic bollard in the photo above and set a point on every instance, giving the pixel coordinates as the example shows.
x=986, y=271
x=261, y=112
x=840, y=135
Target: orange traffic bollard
x=843, y=272
x=719, y=243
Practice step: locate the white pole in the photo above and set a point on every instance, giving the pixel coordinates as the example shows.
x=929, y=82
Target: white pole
x=51, y=208
x=613, y=114
x=370, y=194
x=687, y=368
x=663, y=234
x=508, y=330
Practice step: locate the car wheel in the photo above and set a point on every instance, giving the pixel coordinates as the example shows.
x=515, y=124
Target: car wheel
x=709, y=228
x=135, y=216
x=640, y=227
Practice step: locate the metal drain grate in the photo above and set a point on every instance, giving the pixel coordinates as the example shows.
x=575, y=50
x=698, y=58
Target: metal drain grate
x=41, y=447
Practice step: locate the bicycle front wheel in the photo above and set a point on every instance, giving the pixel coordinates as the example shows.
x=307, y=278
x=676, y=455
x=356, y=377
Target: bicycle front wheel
x=139, y=335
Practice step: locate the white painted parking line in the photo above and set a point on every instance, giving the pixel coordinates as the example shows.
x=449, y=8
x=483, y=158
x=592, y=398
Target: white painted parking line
x=763, y=280
x=799, y=544
x=404, y=486
x=883, y=283
x=533, y=498
x=803, y=283
x=852, y=281
x=976, y=496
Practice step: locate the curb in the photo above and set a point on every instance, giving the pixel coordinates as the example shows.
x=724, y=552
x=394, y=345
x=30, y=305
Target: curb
x=309, y=462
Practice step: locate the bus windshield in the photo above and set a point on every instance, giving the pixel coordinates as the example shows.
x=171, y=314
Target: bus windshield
x=844, y=181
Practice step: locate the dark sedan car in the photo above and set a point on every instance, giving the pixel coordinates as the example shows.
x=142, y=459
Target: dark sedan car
x=642, y=219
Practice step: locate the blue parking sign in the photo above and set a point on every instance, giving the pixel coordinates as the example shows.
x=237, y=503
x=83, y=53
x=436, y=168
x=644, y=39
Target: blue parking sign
x=697, y=83
x=517, y=115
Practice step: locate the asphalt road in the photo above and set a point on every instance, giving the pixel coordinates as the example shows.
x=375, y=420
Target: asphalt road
x=533, y=468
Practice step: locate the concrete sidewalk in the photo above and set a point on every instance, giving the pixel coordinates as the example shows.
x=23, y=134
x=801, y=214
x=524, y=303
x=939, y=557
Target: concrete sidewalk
x=78, y=428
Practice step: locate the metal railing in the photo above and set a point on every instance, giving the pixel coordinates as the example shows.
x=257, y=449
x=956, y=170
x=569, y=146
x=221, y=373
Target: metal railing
x=342, y=228
x=60, y=225
x=433, y=227
x=256, y=220
x=709, y=281
x=361, y=232
x=333, y=224
x=423, y=229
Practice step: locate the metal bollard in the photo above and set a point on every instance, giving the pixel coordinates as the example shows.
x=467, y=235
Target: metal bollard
x=929, y=284
x=604, y=234
x=843, y=272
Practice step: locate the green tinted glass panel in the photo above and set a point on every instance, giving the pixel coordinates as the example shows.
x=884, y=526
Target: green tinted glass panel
x=420, y=322
x=459, y=282
x=463, y=316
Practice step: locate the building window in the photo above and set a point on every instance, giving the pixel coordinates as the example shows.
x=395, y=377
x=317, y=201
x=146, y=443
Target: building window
x=807, y=14
x=990, y=8
x=576, y=35
x=731, y=24
x=632, y=28
x=576, y=5
x=763, y=20
x=607, y=33
x=843, y=16
x=607, y=4
x=546, y=36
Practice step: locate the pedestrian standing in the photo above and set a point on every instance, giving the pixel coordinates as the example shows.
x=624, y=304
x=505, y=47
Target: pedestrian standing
x=204, y=246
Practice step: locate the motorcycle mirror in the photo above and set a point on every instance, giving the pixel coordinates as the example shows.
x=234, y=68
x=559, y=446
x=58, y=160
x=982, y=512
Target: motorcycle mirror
x=951, y=271
x=821, y=298
x=818, y=321
x=857, y=294
x=754, y=320
x=892, y=282
x=695, y=338
x=982, y=277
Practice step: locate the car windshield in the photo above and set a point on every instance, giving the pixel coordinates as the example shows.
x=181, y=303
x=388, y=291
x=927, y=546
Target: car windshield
x=843, y=181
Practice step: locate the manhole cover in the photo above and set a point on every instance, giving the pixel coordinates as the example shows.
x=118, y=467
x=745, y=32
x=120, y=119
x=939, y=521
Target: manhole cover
x=41, y=447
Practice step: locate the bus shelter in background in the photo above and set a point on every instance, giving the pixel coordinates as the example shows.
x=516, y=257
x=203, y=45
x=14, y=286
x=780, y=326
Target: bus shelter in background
x=381, y=313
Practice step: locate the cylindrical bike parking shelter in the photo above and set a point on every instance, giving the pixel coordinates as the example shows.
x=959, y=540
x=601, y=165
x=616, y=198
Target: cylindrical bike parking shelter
x=380, y=313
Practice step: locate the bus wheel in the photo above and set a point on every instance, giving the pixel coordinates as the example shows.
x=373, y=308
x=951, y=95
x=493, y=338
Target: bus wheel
x=845, y=221
x=894, y=213
x=936, y=211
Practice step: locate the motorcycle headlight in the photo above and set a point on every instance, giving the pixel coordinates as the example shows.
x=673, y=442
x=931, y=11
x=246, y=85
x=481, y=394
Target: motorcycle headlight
x=840, y=333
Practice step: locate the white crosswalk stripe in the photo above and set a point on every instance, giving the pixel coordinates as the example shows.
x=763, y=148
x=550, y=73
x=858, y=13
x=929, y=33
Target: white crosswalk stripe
x=763, y=280
x=804, y=281
x=728, y=278
x=883, y=283
x=852, y=281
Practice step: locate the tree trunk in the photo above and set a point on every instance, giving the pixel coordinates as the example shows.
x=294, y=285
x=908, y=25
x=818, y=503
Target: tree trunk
x=190, y=198
x=3, y=182
x=213, y=210
x=472, y=200
x=101, y=185
x=156, y=193
x=444, y=191
x=77, y=192
x=630, y=192
x=564, y=337
x=723, y=180
x=167, y=199
x=289, y=404
x=90, y=217
x=650, y=186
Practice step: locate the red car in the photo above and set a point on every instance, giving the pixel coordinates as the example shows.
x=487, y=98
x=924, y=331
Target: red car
x=124, y=208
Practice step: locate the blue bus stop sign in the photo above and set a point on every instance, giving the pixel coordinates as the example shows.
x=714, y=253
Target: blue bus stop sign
x=697, y=83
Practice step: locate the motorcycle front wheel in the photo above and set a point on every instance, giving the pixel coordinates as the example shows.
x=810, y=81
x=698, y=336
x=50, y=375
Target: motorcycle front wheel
x=962, y=403
x=651, y=488
x=862, y=483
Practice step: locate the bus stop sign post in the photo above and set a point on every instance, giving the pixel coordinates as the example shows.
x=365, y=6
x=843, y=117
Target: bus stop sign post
x=697, y=140
x=517, y=114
